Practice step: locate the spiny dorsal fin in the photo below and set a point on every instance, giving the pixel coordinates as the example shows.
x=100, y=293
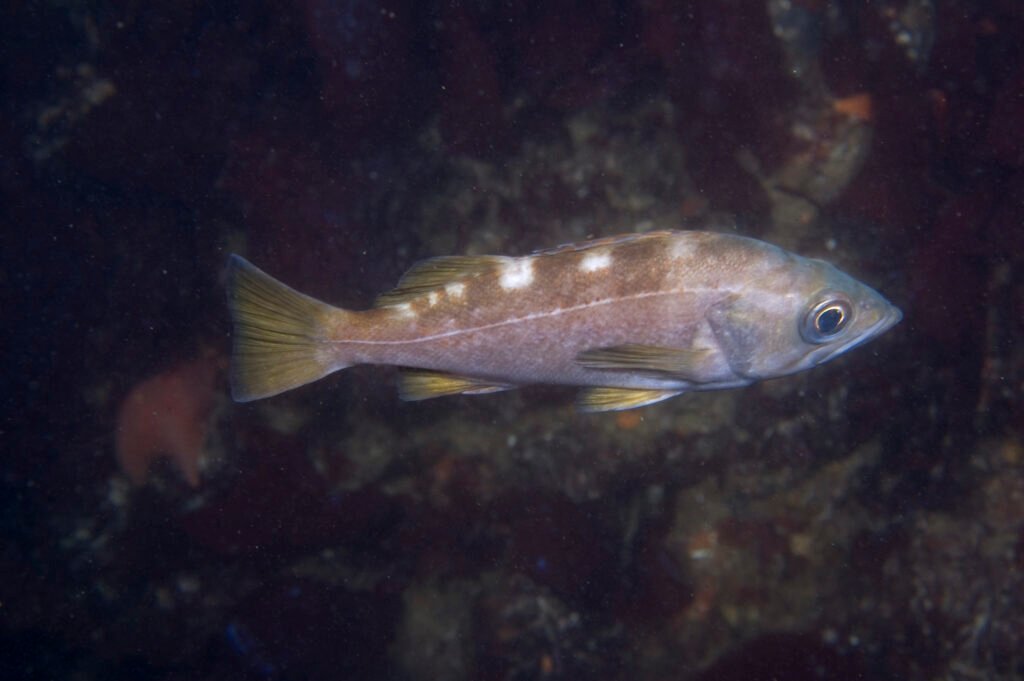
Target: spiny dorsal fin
x=676, y=361
x=433, y=273
x=418, y=384
x=619, y=399
x=605, y=242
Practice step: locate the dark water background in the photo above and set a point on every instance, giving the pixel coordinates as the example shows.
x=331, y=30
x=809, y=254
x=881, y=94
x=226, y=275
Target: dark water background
x=862, y=520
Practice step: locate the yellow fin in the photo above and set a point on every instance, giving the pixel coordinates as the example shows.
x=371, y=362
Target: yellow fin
x=433, y=273
x=675, y=361
x=419, y=384
x=278, y=334
x=619, y=399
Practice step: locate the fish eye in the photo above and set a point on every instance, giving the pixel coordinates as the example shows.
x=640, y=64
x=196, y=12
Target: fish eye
x=830, y=320
x=825, y=320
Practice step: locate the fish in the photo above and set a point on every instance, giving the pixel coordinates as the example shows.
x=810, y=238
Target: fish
x=632, y=320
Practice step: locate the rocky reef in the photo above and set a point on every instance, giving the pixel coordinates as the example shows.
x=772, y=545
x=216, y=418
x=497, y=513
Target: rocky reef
x=862, y=520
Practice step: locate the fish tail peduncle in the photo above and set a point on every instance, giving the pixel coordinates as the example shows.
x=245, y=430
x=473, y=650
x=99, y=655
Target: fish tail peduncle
x=280, y=335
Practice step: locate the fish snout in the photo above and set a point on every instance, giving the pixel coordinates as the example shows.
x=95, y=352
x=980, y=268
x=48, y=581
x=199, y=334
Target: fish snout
x=882, y=314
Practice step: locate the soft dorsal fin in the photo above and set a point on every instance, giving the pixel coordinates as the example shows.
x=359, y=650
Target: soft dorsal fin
x=433, y=273
x=619, y=399
x=688, y=364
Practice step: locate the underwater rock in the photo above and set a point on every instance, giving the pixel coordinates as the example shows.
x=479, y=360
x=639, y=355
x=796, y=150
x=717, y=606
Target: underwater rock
x=526, y=632
x=302, y=629
x=281, y=504
x=168, y=415
x=435, y=638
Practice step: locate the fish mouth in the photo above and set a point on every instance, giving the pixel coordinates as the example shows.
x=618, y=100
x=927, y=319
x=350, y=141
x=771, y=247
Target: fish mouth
x=892, y=317
x=889, y=319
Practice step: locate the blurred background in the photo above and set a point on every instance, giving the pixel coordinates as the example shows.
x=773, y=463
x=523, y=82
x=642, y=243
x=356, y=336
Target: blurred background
x=861, y=520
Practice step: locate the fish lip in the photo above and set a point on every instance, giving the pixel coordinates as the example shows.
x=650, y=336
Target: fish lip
x=893, y=316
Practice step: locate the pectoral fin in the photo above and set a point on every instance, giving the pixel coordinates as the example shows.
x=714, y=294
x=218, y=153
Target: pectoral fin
x=619, y=399
x=416, y=384
x=738, y=334
x=688, y=364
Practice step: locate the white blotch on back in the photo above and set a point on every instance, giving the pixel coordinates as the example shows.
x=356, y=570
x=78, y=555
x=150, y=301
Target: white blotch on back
x=455, y=290
x=433, y=297
x=683, y=246
x=405, y=310
x=595, y=261
x=516, y=273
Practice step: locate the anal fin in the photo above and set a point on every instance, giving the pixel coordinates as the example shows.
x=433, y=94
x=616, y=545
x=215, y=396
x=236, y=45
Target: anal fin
x=619, y=399
x=420, y=384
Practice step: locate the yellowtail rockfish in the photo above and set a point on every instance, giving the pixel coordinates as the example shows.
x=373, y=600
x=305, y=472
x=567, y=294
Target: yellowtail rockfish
x=634, y=319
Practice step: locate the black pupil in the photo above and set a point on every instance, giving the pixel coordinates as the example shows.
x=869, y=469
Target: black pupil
x=830, y=320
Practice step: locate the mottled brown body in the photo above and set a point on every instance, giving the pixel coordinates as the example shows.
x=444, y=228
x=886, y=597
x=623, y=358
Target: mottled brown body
x=641, y=316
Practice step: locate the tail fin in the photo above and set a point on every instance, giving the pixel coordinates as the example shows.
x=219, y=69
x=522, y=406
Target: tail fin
x=279, y=334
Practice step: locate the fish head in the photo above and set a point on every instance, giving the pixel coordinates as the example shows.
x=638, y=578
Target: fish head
x=795, y=315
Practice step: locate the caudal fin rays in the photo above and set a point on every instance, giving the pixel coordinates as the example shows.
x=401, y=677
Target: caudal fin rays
x=279, y=334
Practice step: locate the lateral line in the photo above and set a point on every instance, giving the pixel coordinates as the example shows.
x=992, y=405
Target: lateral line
x=516, y=320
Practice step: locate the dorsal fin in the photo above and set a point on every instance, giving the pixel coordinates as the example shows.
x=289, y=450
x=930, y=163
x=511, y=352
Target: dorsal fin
x=605, y=242
x=433, y=273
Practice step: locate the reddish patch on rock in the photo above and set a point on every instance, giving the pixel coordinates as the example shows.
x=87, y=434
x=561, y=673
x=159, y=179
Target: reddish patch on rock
x=167, y=416
x=281, y=504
